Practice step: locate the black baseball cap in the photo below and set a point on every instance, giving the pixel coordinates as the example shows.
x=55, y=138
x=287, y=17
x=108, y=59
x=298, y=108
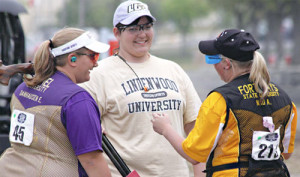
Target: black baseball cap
x=232, y=43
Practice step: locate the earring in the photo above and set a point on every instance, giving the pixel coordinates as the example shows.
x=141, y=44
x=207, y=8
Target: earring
x=73, y=59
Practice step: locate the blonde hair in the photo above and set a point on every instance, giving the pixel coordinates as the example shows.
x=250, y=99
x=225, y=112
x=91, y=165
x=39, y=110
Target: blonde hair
x=259, y=75
x=239, y=66
x=44, y=62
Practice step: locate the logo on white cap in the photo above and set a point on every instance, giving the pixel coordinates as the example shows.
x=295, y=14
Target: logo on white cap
x=136, y=7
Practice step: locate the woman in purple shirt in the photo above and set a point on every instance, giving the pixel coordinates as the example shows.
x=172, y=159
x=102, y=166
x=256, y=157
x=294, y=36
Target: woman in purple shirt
x=55, y=124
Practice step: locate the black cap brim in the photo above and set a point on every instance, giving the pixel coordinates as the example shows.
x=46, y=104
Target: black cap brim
x=208, y=47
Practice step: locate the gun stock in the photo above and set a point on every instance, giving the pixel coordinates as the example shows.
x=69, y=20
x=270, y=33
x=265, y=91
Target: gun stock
x=6, y=72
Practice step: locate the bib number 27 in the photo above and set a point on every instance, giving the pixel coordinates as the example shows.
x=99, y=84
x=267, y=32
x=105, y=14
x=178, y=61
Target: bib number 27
x=271, y=152
x=265, y=145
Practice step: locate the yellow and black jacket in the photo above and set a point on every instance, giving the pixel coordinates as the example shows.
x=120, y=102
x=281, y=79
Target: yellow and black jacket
x=222, y=136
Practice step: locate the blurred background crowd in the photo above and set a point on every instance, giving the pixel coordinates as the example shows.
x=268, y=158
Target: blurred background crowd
x=180, y=26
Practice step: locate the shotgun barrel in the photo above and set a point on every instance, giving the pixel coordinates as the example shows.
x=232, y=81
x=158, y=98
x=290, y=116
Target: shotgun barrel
x=116, y=159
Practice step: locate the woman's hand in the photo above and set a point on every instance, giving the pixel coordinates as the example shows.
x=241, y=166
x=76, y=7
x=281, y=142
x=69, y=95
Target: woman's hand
x=162, y=125
x=161, y=122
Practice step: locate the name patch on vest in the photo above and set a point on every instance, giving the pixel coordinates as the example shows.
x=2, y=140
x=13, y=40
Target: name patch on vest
x=248, y=92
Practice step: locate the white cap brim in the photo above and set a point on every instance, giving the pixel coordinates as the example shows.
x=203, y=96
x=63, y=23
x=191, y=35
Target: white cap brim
x=135, y=16
x=98, y=47
x=84, y=40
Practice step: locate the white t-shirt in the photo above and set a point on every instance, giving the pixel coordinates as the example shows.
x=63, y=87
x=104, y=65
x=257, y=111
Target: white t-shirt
x=126, y=110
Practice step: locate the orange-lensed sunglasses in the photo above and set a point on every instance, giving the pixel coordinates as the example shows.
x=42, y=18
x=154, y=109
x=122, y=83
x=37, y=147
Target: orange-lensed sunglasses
x=93, y=56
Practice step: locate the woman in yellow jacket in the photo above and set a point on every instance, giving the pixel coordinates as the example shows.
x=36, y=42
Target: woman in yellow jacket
x=246, y=127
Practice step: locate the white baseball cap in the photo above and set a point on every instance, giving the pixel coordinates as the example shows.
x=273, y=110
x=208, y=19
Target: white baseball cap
x=84, y=40
x=129, y=11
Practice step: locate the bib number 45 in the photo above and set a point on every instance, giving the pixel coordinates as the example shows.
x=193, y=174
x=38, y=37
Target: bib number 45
x=19, y=133
x=21, y=127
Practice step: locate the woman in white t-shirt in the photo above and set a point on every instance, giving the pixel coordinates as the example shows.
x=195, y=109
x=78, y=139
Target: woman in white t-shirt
x=131, y=85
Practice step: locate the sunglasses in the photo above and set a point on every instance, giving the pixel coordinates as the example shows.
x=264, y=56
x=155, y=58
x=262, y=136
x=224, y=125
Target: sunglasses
x=134, y=29
x=93, y=56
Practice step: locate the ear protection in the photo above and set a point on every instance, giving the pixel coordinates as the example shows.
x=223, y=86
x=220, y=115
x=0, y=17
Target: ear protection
x=73, y=59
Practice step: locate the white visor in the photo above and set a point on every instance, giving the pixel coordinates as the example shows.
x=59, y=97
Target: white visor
x=84, y=40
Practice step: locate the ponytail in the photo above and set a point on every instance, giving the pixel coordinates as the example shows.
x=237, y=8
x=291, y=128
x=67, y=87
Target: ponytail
x=259, y=75
x=44, y=62
x=44, y=65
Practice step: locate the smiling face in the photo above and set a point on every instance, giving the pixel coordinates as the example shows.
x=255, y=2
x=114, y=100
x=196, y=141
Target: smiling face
x=85, y=63
x=135, y=44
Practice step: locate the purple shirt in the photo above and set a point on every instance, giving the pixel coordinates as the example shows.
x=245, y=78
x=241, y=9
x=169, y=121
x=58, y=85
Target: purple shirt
x=82, y=121
x=80, y=114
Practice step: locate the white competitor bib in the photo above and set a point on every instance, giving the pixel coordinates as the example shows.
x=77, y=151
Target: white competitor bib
x=265, y=145
x=21, y=127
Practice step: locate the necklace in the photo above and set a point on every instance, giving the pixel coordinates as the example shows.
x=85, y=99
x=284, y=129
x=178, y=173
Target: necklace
x=145, y=88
